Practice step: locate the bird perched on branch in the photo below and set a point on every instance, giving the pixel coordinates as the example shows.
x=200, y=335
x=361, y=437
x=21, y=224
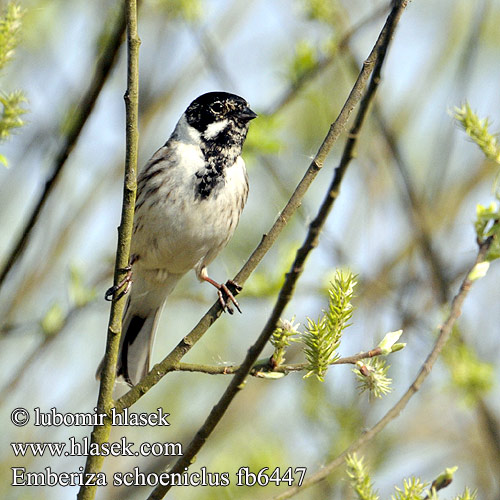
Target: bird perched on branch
x=190, y=196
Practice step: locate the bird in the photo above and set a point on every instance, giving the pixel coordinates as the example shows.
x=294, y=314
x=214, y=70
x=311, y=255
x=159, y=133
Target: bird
x=190, y=196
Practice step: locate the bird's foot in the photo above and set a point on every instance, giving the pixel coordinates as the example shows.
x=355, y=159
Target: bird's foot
x=226, y=295
x=124, y=285
x=226, y=292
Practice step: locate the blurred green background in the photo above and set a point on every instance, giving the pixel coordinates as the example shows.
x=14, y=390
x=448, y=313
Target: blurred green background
x=416, y=179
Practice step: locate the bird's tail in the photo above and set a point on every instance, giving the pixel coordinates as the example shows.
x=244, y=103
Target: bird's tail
x=140, y=320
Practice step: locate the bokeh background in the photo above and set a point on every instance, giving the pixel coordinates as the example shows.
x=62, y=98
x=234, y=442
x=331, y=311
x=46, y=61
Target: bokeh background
x=415, y=182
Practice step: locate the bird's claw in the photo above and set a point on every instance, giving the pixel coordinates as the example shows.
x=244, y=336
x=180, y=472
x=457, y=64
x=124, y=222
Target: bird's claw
x=225, y=306
x=226, y=296
x=234, y=285
x=110, y=292
x=124, y=286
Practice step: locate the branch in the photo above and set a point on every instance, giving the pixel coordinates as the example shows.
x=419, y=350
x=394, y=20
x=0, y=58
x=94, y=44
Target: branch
x=104, y=65
x=444, y=334
x=100, y=434
x=258, y=369
x=374, y=61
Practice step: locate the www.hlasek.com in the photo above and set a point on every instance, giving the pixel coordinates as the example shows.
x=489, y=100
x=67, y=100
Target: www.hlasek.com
x=84, y=447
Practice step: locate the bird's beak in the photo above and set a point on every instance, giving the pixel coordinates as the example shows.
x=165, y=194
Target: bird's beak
x=246, y=114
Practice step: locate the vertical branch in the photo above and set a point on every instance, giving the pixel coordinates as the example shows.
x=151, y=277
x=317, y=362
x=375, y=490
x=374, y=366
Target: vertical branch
x=100, y=434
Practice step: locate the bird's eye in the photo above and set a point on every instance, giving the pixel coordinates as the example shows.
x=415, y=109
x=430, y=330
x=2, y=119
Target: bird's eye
x=216, y=107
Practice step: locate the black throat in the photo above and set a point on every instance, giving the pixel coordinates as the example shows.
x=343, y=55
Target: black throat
x=220, y=153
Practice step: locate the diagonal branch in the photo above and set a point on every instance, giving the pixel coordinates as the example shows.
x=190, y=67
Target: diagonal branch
x=100, y=433
x=374, y=61
x=444, y=334
x=103, y=69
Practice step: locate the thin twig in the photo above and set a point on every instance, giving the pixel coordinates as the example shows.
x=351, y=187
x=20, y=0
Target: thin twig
x=444, y=334
x=102, y=71
x=374, y=61
x=257, y=369
x=100, y=433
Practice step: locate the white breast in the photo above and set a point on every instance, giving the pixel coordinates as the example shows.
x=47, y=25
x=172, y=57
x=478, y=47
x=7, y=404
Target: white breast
x=182, y=232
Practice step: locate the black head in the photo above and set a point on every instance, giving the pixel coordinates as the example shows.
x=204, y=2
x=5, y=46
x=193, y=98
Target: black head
x=218, y=106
